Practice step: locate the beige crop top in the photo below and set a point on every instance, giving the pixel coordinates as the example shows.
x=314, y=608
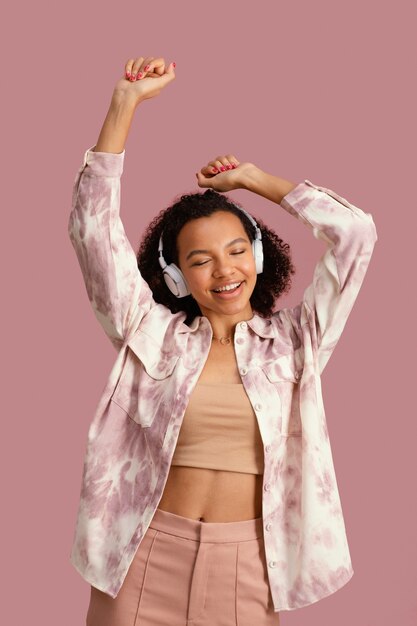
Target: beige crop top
x=220, y=431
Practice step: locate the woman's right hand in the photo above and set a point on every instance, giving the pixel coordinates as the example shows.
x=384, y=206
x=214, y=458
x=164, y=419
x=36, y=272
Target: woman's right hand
x=139, y=83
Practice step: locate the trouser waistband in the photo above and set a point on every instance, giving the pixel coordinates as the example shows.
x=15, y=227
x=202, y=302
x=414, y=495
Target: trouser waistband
x=213, y=532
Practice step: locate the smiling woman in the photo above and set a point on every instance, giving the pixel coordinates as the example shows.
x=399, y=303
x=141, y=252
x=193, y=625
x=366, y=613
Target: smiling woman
x=183, y=226
x=225, y=260
x=210, y=435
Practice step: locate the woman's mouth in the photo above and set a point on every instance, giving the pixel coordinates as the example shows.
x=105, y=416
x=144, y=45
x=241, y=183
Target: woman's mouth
x=230, y=291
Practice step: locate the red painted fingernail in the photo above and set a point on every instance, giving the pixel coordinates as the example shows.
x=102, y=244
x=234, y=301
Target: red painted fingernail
x=128, y=74
x=229, y=167
x=147, y=67
x=174, y=64
x=139, y=75
x=214, y=169
x=222, y=169
x=133, y=76
x=234, y=165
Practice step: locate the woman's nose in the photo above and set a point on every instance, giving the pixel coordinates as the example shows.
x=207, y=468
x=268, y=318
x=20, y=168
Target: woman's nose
x=224, y=268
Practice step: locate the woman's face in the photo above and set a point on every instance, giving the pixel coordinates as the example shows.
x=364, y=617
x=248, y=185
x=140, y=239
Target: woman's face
x=215, y=251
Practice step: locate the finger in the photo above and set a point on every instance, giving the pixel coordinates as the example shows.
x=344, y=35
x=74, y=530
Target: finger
x=214, y=166
x=165, y=69
x=135, y=67
x=227, y=162
x=147, y=64
x=202, y=180
x=168, y=75
x=158, y=66
x=156, y=69
x=232, y=160
x=145, y=68
x=224, y=164
x=210, y=169
x=128, y=67
x=220, y=163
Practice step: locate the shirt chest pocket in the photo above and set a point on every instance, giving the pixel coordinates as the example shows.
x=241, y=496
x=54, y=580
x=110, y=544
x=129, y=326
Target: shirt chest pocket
x=145, y=389
x=284, y=375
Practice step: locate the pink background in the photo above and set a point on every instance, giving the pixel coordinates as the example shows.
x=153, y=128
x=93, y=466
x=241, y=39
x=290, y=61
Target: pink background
x=318, y=90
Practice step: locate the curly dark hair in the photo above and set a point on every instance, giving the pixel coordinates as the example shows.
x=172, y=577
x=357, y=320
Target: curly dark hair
x=270, y=284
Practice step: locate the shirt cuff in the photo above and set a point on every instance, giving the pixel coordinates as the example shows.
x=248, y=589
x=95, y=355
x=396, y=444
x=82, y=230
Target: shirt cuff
x=300, y=191
x=104, y=163
x=304, y=201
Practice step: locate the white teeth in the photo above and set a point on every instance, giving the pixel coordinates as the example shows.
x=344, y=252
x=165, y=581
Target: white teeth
x=228, y=287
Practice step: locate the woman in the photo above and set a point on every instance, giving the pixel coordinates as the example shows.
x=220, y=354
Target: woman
x=209, y=494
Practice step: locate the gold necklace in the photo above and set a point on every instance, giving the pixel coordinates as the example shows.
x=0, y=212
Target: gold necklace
x=225, y=341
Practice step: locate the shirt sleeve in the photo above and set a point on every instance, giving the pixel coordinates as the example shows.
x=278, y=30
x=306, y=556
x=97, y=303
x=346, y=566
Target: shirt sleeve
x=350, y=235
x=119, y=296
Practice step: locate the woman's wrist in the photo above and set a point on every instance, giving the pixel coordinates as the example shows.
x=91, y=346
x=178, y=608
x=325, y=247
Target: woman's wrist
x=271, y=187
x=116, y=126
x=250, y=177
x=125, y=98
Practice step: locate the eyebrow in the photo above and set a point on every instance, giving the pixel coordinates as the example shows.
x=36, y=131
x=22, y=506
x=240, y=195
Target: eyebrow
x=194, y=252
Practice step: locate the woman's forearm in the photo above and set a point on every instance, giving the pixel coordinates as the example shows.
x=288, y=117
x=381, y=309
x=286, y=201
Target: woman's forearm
x=271, y=187
x=115, y=129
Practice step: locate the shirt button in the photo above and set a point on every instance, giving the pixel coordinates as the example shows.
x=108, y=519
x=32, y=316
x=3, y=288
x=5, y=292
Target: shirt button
x=243, y=371
x=267, y=448
x=267, y=486
x=240, y=340
x=258, y=406
x=268, y=526
x=243, y=325
x=272, y=563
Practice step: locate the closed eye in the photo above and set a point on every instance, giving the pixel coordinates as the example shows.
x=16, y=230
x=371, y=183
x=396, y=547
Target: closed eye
x=204, y=262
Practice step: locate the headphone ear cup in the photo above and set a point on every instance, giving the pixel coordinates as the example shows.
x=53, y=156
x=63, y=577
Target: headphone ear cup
x=258, y=254
x=175, y=281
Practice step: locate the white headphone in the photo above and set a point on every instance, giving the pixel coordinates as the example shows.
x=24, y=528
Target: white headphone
x=175, y=279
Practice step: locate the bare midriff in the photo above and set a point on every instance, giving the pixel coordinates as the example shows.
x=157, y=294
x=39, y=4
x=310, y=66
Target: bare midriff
x=214, y=495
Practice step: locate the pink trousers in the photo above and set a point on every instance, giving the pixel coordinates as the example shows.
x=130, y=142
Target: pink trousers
x=191, y=573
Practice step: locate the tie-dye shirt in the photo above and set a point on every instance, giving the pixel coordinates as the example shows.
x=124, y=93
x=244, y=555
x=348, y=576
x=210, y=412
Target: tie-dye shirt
x=133, y=433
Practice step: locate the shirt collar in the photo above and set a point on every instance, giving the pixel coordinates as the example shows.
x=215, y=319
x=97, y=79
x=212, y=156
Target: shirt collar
x=260, y=325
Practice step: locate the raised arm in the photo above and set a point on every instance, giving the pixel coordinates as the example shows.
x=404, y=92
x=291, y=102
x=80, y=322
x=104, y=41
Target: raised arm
x=119, y=296
x=349, y=233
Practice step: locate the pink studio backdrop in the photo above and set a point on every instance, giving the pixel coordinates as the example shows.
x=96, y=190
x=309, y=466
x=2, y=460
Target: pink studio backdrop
x=317, y=90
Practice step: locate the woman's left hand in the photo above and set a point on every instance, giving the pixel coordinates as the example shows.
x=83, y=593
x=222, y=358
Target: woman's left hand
x=225, y=173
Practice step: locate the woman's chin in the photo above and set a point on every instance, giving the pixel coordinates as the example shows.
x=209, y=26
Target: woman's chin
x=228, y=304
x=228, y=308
